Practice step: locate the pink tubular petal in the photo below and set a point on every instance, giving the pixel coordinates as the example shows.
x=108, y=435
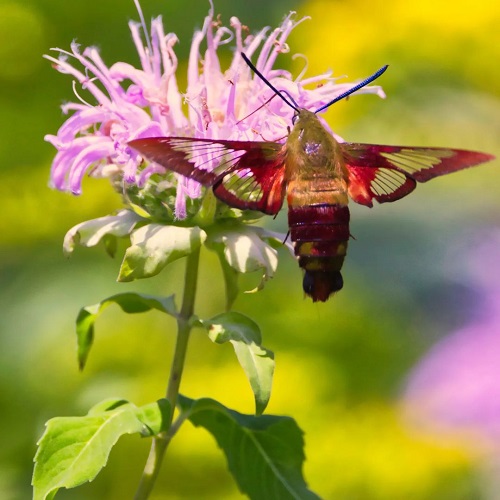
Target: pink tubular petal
x=136, y=37
x=151, y=129
x=60, y=166
x=193, y=72
x=193, y=188
x=253, y=43
x=73, y=106
x=231, y=102
x=266, y=49
x=286, y=27
x=218, y=40
x=84, y=80
x=175, y=118
x=169, y=59
x=130, y=171
x=84, y=160
x=81, y=120
x=180, y=202
x=102, y=73
x=121, y=71
x=53, y=139
x=65, y=158
x=236, y=25
x=316, y=79
x=157, y=37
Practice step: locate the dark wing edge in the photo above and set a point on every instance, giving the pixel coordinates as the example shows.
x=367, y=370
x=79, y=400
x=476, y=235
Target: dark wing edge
x=388, y=173
x=248, y=175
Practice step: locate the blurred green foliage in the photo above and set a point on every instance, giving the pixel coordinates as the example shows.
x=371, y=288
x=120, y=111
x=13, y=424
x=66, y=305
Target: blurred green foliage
x=341, y=365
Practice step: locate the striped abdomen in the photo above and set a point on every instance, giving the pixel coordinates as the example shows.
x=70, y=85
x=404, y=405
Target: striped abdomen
x=320, y=234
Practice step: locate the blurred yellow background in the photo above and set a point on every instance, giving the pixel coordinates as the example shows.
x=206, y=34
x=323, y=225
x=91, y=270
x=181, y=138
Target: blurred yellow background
x=341, y=366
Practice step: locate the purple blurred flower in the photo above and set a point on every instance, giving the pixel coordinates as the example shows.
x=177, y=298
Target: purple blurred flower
x=456, y=387
x=129, y=103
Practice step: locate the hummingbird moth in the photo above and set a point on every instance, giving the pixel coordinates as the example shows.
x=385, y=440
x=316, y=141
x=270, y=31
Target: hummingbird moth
x=315, y=172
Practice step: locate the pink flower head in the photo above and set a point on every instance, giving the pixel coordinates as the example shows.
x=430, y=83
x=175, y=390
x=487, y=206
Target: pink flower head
x=129, y=103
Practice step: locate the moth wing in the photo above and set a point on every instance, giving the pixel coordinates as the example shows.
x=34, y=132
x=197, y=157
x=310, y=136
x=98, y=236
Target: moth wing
x=244, y=174
x=388, y=173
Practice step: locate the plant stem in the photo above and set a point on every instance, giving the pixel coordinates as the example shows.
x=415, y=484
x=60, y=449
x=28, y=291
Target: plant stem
x=161, y=442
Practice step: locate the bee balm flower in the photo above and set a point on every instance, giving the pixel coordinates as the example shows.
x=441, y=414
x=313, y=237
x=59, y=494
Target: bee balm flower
x=128, y=102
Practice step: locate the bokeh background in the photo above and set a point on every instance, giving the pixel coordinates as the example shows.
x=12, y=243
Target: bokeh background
x=342, y=367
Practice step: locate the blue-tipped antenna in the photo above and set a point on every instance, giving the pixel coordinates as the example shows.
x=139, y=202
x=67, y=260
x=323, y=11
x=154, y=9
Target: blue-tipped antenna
x=294, y=106
x=354, y=89
x=269, y=84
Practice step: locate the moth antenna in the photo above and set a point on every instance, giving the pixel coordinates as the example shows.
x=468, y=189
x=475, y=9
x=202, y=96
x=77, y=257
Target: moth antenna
x=291, y=98
x=354, y=89
x=267, y=82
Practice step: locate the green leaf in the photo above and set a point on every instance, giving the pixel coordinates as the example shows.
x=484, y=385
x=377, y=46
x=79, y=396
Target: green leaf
x=264, y=454
x=73, y=450
x=91, y=232
x=130, y=302
x=156, y=417
x=257, y=362
x=156, y=245
x=107, y=405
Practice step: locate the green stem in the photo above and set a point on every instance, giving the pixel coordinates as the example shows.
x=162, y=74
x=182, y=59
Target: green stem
x=161, y=442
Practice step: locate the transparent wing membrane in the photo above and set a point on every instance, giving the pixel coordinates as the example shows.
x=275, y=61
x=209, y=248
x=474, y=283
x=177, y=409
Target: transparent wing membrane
x=244, y=174
x=387, y=173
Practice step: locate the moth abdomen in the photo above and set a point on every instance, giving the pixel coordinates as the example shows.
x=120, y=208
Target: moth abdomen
x=320, y=234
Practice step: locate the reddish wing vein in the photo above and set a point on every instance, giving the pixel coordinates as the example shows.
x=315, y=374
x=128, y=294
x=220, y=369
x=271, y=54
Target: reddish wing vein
x=244, y=174
x=387, y=173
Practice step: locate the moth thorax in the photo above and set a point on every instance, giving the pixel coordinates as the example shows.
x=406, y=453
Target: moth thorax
x=315, y=152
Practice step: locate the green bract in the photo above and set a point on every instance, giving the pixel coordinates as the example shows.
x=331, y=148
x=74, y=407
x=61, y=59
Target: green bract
x=241, y=248
x=107, y=229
